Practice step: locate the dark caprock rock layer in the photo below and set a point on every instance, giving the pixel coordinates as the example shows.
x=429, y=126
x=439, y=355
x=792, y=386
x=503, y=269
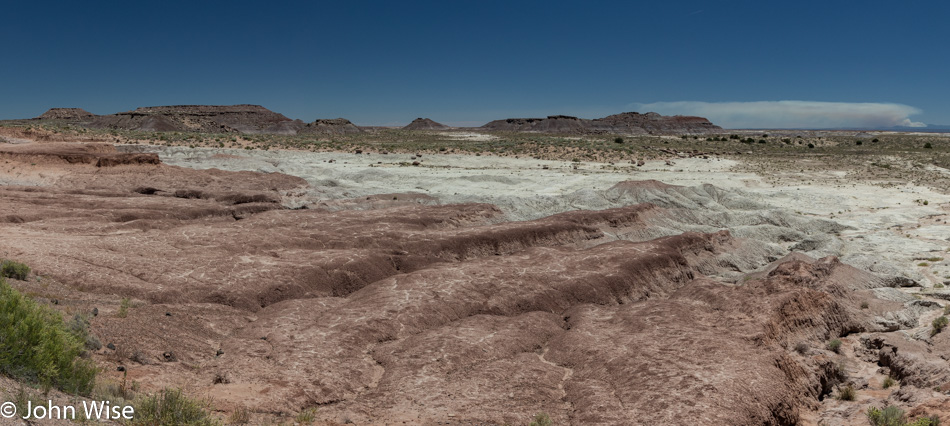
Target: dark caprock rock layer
x=425, y=124
x=200, y=118
x=334, y=126
x=249, y=119
x=624, y=123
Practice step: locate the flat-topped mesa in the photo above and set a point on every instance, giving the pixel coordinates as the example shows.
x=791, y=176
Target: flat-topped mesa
x=201, y=118
x=652, y=122
x=424, y=124
x=623, y=123
x=66, y=114
x=551, y=124
x=329, y=126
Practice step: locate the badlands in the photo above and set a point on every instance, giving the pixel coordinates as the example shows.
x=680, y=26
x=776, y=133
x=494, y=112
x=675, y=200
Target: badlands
x=482, y=276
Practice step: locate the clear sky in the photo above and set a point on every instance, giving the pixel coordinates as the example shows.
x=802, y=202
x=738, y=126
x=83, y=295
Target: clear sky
x=465, y=63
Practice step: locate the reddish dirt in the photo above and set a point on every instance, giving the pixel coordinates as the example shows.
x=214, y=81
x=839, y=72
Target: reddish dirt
x=425, y=313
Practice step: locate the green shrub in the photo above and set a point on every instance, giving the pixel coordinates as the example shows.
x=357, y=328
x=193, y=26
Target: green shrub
x=834, y=346
x=306, y=416
x=888, y=382
x=939, y=324
x=890, y=416
x=618, y=139
x=928, y=146
x=541, y=419
x=171, y=407
x=846, y=393
x=124, y=308
x=15, y=270
x=37, y=346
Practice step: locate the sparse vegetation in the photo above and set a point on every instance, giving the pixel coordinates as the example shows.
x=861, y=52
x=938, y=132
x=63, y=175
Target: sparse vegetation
x=894, y=416
x=124, y=308
x=241, y=416
x=15, y=270
x=846, y=393
x=171, y=407
x=802, y=348
x=541, y=419
x=888, y=382
x=939, y=324
x=834, y=345
x=38, y=347
x=306, y=416
x=865, y=305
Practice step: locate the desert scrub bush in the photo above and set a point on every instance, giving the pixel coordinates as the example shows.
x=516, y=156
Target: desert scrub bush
x=124, y=308
x=618, y=139
x=893, y=416
x=801, y=347
x=306, y=416
x=541, y=419
x=171, y=407
x=939, y=324
x=15, y=270
x=37, y=346
x=834, y=345
x=888, y=382
x=241, y=416
x=889, y=416
x=865, y=305
x=846, y=393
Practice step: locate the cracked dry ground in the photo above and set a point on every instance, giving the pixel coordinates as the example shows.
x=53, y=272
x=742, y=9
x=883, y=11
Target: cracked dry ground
x=430, y=314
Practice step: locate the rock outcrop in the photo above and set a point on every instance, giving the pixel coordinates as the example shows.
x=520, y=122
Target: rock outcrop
x=628, y=123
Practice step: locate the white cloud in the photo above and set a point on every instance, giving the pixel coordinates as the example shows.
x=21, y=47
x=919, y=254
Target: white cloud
x=791, y=114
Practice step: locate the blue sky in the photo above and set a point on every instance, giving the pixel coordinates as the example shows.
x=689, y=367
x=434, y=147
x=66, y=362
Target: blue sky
x=465, y=63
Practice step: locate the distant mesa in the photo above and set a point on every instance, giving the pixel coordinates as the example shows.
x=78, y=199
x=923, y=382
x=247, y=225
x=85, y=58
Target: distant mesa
x=255, y=119
x=200, y=118
x=326, y=126
x=632, y=123
x=425, y=124
x=66, y=114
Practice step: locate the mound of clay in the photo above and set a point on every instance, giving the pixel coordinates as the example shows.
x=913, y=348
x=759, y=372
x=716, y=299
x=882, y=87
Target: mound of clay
x=335, y=126
x=625, y=123
x=425, y=124
x=66, y=114
x=201, y=118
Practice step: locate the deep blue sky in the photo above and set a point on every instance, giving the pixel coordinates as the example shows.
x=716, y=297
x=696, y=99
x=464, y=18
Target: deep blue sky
x=384, y=62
